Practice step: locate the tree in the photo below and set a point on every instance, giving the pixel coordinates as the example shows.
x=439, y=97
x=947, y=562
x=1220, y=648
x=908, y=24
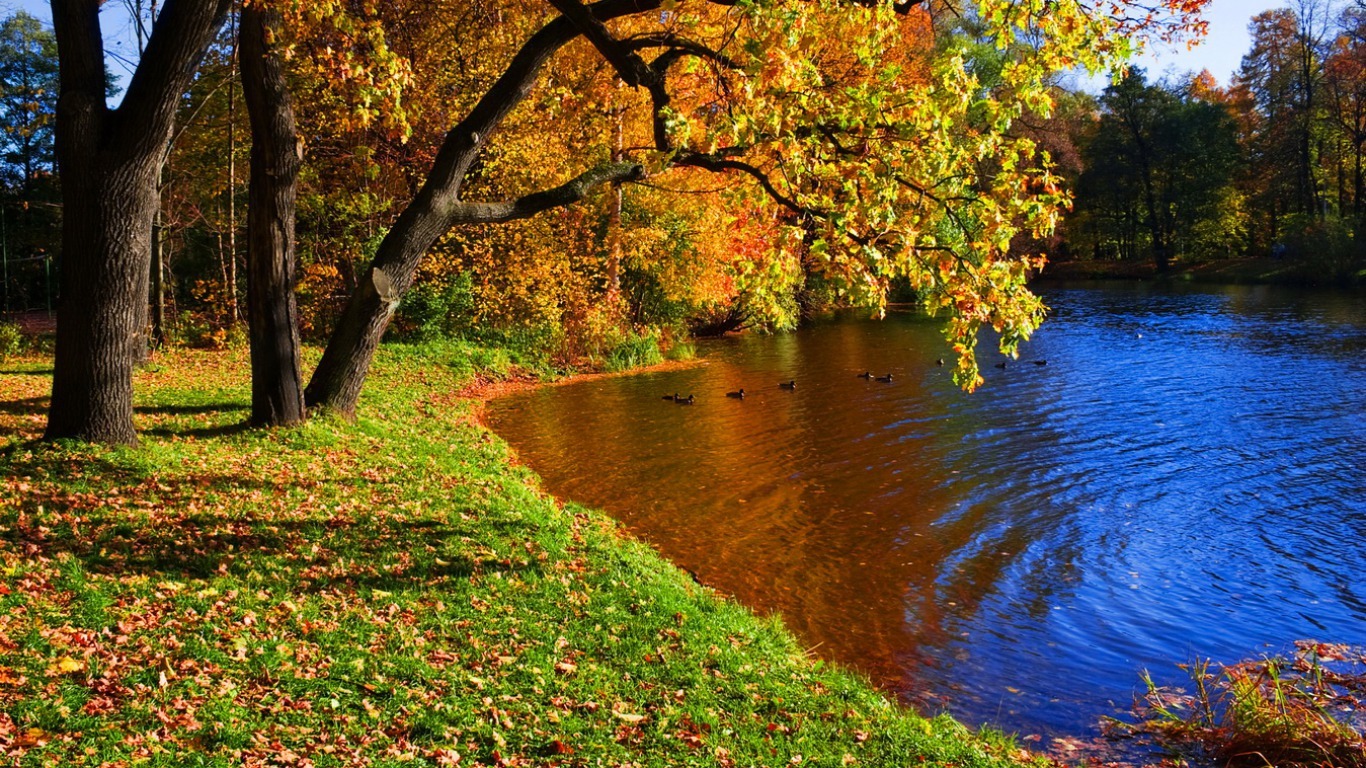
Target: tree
x=1162, y=157
x=110, y=159
x=904, y=172
x=28, y=189
x=28, y=99
x=272, y=311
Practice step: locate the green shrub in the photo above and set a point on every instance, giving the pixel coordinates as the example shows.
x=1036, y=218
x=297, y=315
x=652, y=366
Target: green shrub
x=633, y=351
x=437, y=309
x=12, y=341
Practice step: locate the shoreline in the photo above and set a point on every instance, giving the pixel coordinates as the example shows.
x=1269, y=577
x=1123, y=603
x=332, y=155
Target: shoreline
x=402, y=577
x=485, y=389
x=1243, y=271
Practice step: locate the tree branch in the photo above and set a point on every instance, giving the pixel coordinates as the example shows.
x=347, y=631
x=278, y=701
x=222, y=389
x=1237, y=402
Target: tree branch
x=566, y=194
x=629, y=66
x=180, y=35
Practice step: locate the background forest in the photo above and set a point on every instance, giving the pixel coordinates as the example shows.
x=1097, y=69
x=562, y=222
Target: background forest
x=1168, y=172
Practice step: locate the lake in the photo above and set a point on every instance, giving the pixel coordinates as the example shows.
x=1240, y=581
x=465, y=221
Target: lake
x=1184, y=478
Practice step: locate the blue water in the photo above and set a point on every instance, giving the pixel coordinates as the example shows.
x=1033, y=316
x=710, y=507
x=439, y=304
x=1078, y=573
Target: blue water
x=1184, y=478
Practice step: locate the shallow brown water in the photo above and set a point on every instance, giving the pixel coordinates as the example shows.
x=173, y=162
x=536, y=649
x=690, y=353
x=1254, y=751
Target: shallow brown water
x=1184, y=477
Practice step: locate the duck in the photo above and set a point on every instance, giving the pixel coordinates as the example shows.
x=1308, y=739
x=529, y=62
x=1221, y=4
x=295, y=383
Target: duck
x=885, y=379
x=866, y=375
x=740, y=395
x=684, y=400
x=788, y=384
x=939, y=362
x=1041, y=362
x=674, y=397
x=1001, y=366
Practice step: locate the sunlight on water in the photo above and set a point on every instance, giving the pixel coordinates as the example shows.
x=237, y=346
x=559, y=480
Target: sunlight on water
x=1183, y=478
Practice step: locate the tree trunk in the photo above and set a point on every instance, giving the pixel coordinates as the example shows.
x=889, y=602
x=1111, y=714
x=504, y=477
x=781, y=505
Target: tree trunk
x=272, y=311
x=158, y=282
x=109, y=161
x=104, y=282
x=233, y=313
x=437, y=208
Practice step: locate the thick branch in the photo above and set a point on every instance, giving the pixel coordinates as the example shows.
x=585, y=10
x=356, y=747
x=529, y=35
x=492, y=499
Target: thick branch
x=630, y=67
x=181, y=34
x=681, y=45
x=566, y=194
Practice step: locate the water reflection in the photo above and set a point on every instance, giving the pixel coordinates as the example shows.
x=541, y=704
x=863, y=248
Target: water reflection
x=1182, y=478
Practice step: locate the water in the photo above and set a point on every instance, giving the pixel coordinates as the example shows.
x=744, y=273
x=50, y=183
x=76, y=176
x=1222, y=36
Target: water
x=1184, y=478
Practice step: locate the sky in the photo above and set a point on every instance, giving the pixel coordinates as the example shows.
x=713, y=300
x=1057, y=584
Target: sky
x=1220, y=52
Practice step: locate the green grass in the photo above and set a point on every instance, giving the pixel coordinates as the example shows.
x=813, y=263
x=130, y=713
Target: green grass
x=389, y=592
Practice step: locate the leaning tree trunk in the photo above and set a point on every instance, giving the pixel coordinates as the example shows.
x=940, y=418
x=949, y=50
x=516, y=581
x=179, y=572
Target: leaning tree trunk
x=109, y=161
x=272, y=311
x=437, y=208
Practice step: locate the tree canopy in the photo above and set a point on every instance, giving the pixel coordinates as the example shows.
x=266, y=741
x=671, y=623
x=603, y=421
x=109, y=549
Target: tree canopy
x=587, y=161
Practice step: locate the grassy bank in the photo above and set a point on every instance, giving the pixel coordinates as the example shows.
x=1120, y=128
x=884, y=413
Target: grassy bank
x=388, y=592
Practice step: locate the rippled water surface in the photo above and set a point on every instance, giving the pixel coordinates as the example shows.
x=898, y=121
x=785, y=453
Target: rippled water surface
x=1185, y=477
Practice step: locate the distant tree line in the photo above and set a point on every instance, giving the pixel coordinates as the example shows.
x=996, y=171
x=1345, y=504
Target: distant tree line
x=1270, y=166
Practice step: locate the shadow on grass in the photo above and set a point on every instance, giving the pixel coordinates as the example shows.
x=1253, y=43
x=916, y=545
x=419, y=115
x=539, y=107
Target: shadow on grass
x=301, y=555
x=25, y=371
x=220, y=430
x=120, y=519
x=189, y=410
x=29, y=406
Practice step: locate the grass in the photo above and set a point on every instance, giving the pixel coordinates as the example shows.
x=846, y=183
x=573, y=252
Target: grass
x=389, y=592
x=1305, y=711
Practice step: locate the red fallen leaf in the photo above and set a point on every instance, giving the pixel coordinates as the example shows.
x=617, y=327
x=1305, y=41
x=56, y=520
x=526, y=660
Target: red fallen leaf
x=4, y=590
x=560, y=748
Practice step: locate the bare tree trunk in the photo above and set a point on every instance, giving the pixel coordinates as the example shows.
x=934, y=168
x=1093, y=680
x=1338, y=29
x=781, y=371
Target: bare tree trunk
x=614, y=217
x=277, y=396
x=158, y=278
x=233, y=314
x=109, y=161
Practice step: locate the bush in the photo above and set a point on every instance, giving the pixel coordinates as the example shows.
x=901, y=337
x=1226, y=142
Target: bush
x=12, y=341
x=1328, y=250
x=633, y=351
x=437, y=309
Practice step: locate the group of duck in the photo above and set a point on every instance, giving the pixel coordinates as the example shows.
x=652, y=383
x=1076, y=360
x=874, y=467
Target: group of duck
x=792, y=384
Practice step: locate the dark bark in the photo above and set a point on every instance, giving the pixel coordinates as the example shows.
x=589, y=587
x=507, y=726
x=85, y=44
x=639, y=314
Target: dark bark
x=109, y=162
x=437, y=207
x=272, y=312
x=336, y=384
x=158, y=284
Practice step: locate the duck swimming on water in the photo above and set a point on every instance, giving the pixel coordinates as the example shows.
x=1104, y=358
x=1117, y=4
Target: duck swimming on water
x=684, y=400
x=866, y=375
x=673, y=397
x=738, y=395
x=885, y=379
x=789, y=384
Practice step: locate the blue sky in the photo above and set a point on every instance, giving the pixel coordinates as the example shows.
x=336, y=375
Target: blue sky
x=1222, y=50
x=1219, y=53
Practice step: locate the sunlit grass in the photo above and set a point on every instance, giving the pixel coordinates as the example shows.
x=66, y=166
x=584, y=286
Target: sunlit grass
x=390, y=591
